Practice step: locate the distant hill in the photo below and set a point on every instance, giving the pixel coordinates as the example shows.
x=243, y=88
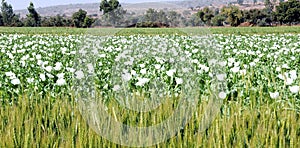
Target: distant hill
x=137, y=8
x=93, y=8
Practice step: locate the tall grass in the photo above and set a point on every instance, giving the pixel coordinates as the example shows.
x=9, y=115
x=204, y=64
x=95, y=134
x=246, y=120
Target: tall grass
x=149, y=31
x=44, y=122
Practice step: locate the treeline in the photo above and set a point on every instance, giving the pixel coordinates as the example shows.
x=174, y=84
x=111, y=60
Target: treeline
x=33, y=19
x=114, y=15
x=287, y=13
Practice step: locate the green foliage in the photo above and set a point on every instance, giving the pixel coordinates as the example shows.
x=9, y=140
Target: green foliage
x=205, y=15
x=81, y=20
x=33, y=18
x=288, y=12
x=1, y=20
x=240, y=2
x=256, y=16
x=233, y=15
x=151, y=15
x=171, y=18
x=7, y=13
x=109, y=6
x=16, y=22
x=218, y=20
x=88, y=22
x=162, y=17
x=269, y=6
x=78, y=18
x=174, y=19
x=115, y=17
x=56, y=21
x=112, y=11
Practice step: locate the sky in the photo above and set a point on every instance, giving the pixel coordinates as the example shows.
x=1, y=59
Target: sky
x=23, y=4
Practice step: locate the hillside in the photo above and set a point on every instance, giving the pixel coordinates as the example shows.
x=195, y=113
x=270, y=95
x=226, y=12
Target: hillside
x=93, y=8
x=137, y=8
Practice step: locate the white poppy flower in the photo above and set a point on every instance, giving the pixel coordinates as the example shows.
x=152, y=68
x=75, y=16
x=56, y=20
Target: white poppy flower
x=90, y=68
x=280, y=76
x=15, y=81
x=40, y=62
x=30, y=80
x=293, y=74
x=221, y=77
x=42, y=77
x=116, y=88
x=157, y=66
x=235, y=69
x=133, y=72
x=10, y=74
x=38, y=57
x=60, y=82
x=60, y=75
x=179, y=80
x=222, y=95
x=243, y=72
x=143, y=71
x=48, y=68
x=278, y=69
x=142, y=65
x=171, y=72
x=50, y=75
x=294, y=89
x=274, y=95
x=79, y=75
x=57, y=66
x=289, y=81
x=252, y=64
x=142, y=81
x=126, y=77
x=285, y=66
x=231, y=60
x=70, y=69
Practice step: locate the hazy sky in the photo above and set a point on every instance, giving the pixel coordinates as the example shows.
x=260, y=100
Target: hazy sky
x=23, y=4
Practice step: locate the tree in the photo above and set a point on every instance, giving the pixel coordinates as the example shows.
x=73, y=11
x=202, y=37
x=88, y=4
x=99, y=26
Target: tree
x=195, y=21
x=151, y=15
x=109, y=6
x=288, y=12
x=54, y=21
x=1, y=22
x=233, y=15
x=78, y=18
x=240, y=2
x=16, y=22
x=269, y=6
x=162, y=17
x=218, y=20
x=7, y=13
x=254, y=1
x=33, y=18
x=253, y=15
x=88, y=22
x=257, y=17
x=205, y=15
x=112, y=11
x=81, y=20
x=174, y=18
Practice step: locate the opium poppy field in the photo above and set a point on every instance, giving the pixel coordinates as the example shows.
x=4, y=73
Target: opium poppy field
x=238, y=89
